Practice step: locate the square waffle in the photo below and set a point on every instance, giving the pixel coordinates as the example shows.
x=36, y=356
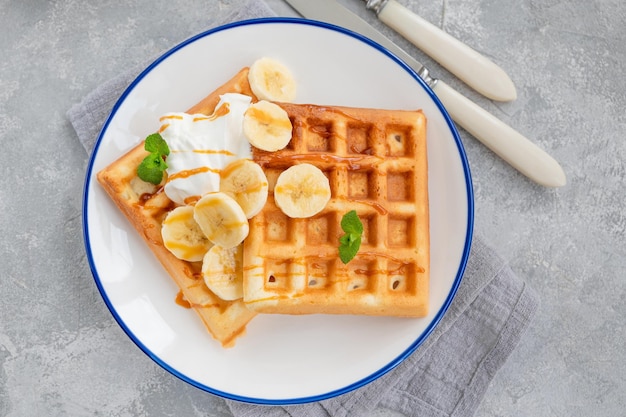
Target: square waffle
x=376, y=164
x=146, y=206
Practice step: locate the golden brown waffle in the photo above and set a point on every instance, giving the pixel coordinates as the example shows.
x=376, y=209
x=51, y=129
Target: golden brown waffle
x=146, y=206
x=376, y=164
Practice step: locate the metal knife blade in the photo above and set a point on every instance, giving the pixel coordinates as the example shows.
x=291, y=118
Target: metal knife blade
x=502, y=139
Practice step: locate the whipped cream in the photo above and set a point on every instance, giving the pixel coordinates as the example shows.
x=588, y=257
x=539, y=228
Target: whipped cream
x=201, y=146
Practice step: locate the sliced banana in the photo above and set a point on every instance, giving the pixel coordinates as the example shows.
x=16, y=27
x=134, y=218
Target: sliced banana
x=221, y=219
x=182, y=235
x=246, y=182
x=271, y=80
x=302, y=191
x=222, y=270
x=267, y=126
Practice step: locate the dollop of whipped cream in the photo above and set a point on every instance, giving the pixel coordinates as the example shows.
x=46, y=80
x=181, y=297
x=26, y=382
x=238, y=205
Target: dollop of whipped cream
x=201, y=146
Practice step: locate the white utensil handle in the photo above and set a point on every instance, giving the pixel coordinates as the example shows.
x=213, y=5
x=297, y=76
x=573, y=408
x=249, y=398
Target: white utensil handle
x=507, y=143
x=473, y=68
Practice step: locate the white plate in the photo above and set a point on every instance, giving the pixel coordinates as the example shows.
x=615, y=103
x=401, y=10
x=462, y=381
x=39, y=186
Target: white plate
x=281, y=359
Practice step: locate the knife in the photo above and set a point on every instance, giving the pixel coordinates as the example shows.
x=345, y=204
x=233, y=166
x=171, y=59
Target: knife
x=502, y=139
x=476, y=70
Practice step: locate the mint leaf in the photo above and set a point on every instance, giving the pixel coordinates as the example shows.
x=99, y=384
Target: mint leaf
x=152, y=167
x=350, y=223
x=346, y=240
x=350, y=242
x=156, y=144
x=350, y=245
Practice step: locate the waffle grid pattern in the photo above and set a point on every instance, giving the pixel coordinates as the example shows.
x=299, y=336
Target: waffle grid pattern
x=376, y=164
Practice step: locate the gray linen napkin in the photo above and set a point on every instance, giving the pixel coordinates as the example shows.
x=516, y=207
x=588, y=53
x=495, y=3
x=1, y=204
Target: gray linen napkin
x=446, y=376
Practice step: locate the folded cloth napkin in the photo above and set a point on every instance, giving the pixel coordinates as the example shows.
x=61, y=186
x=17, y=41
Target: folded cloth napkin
x=450, y=372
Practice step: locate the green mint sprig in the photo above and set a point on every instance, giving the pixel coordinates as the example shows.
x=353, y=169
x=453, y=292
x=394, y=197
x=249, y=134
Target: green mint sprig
x=152, y=167
x=350, y=243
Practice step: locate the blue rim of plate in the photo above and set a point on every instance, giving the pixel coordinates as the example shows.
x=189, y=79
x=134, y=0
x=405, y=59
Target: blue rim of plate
x=420, y=339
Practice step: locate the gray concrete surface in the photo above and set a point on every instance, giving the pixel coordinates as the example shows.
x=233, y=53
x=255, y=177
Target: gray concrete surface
x=62, y=353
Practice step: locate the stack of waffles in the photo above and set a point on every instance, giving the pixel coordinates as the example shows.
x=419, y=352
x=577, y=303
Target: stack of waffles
x=376, y=164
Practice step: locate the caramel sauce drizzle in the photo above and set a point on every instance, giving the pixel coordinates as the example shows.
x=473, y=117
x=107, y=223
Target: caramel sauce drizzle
x=353, y=162
x=206, y=151
x=294, y=187
x=171, y=117
x=181, y=300
x=189, y=172
x=222, y=110
x=233, y=166
x=376, y=206
x=266, y=119
x=190, y=201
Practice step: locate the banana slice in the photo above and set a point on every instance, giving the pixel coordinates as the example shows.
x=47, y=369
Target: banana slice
x=221, y=219
x=302, y=191
x=246, y=182
x=271, y=80
x=267, y=126
x=222, y=270
x=182, y=236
